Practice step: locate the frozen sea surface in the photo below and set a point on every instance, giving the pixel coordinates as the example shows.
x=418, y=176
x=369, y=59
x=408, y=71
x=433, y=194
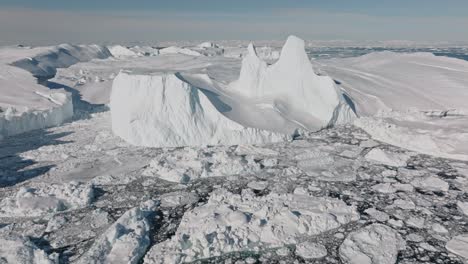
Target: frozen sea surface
x=77, y=193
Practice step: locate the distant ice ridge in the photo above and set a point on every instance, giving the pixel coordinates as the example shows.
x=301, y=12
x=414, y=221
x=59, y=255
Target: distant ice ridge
x=291, y=86
x=162, y=110
x=119, y=51
x=44, y=65
x=178, y=50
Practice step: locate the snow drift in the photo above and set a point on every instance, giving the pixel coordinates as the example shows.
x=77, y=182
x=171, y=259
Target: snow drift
x=291, y=86
x=161, y=110
x=412, y=100
x=44, y=65
x=178, y=50
x=401, y=81
x=119, y=51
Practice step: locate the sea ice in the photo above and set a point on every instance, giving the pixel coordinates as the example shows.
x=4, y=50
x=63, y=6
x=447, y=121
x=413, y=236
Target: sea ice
x=382, y=156
x=189, y=164
x=374, y=244
x=126, y=240
x=47, y=198
x=21, y=251
x=230, y=222
x=459, y=245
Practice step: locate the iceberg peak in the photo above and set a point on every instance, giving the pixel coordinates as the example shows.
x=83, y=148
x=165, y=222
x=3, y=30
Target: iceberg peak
x=293, y=88
x=251, y=50
x=293, y=54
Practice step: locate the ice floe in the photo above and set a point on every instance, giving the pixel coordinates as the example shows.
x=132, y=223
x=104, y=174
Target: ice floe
x=231, y=222
x=374, y=244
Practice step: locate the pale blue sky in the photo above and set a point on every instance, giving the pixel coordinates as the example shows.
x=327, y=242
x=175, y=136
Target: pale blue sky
x=52, y=21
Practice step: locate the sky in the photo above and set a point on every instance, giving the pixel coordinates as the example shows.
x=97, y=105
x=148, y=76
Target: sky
x=125, y=21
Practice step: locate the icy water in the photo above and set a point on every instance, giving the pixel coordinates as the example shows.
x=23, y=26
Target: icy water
x=347, y=52
x=414, y=195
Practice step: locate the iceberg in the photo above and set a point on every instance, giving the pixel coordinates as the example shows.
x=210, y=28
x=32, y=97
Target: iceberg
x=291, y=86
x=162, y=110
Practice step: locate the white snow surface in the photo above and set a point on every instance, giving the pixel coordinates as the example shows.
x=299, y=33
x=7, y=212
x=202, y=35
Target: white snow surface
x=162, y=110
x=292, y=88
x=412, y=100
x=24, y=104
x=179, y=50
x=121, y=51
x=374, y=244
x=459, y=245
x=21, y=251
x=46, y=198
x=189, y=164
x=125, y=241
x=207, y=45
x=230, y=222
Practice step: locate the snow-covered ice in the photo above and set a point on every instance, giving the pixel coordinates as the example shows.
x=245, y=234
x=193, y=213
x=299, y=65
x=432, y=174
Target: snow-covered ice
x=292, y=88
x=22, y=251
x=230, y=222
x=459, y=246
x=188, y=164
x=125, y=241
x=121, y=51
x=162, y=110
x=376, y=243
x=308, y=250
x=178, y=50
x=387, y=158
x=411, y=100
x=26, y=105
x=387, y=187
x=43, y=199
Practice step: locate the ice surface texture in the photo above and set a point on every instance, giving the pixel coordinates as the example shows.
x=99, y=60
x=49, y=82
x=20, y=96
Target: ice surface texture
x=167, y=110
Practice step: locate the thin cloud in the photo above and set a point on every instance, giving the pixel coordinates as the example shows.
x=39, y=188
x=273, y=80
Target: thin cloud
x=47, y=26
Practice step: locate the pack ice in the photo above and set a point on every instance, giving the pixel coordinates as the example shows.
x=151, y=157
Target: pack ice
x=266, y=104
x=232, y=222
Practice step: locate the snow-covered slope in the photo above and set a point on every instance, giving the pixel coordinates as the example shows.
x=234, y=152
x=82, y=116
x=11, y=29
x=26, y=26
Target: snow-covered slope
x=401, y=81
x=121, y=51
x=178, y=50
x=45, y=64
x=24, y=104
x=161, y=110
x=412, y=100
x=293, y=88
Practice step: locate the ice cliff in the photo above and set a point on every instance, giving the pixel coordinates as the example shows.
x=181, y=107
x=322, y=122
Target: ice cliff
x=162, y=110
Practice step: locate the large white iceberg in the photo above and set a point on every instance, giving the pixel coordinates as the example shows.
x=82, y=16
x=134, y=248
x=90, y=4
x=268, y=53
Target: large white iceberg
x=162, y=110
x=291, y=86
